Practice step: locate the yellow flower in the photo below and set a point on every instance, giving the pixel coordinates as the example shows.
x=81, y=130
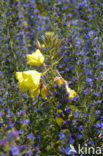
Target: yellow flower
x=19, y=76
x=59, y=81
x=71, y=92
x=29, y=80
x=35, y=58
x=34, y=92
x=44, y=92
x=60, y=111
x=7, y=115
x=59, y=121
x=43, y=45
x=25, y=24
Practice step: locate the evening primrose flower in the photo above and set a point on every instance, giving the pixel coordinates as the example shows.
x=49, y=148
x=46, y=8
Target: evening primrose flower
x=7, y=116
x=44, y=92
x=71, y=92
x=29, y=80
x=35, y=91
x=59, y=120
x=60, y=81
x=59, y=111
x=35, y=58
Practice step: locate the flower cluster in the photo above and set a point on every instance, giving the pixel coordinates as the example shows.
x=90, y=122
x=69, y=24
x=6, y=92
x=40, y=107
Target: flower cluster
x=71, y=94
x=47, y=82
x=30, y=80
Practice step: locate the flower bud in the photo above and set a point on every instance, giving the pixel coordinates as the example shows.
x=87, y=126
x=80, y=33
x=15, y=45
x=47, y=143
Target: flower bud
x=57, y=43
x=39, y=46
x=56, y=55
x=49, y=35
x=49, y=39
x=44, y=92
x=59, y=81
x=44, y=40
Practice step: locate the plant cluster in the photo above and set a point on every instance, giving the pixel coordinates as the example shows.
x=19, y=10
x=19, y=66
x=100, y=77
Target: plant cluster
x=51, y=85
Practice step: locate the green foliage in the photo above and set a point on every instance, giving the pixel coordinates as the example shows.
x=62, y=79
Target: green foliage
x=73, y=50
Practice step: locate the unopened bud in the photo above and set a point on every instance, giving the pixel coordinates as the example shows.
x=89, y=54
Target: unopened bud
x=44, y=40
x=44, y=91
x=71, y=46
x=57, y=43
x=49, y=34
x=59, y=81
x=56, y=55
x=39, y=45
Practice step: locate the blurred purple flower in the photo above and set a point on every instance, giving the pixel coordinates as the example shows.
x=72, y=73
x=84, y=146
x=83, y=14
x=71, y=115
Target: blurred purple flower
x=15, y=150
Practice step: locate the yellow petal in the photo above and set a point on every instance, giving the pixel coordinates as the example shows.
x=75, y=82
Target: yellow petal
x=59, y=111
x=72, y=93
x=34, y=92
x=59, y=121
x=31, y=60
x=29, y=83
x=27, y=74
x=22, y=86
x=44, y=92
x=35, y=58
x=28, y=80
x=32, y=77
x=36, y=77
x=19, y=76
x=59, y=81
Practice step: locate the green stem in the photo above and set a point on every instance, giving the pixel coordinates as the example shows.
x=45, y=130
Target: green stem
x=58, y=60
x=58, y=73
x=52, y=72
x=52, y=64
x=46, y=71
